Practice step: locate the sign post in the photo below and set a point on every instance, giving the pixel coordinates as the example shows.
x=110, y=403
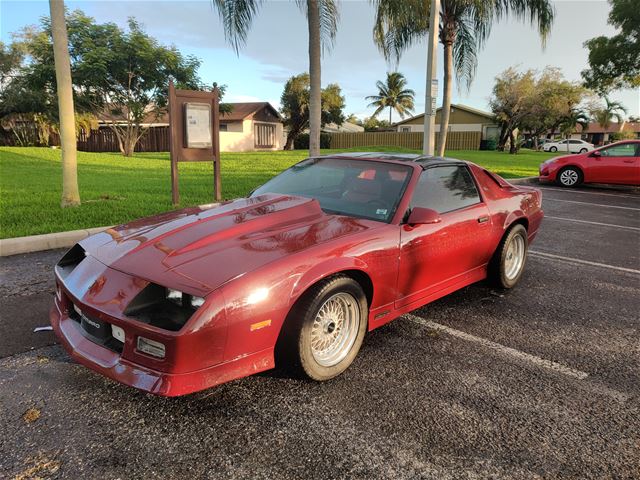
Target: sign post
x=194, y=129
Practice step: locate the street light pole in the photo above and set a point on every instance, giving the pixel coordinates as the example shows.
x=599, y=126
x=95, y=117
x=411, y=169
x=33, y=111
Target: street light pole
x=432, y=80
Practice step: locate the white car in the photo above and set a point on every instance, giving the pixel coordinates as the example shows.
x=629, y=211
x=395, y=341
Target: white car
x=572, y=145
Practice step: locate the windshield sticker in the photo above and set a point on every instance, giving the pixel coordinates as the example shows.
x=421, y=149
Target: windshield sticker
x=381, y=211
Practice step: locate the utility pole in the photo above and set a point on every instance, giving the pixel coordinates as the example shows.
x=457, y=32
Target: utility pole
x=432, y=80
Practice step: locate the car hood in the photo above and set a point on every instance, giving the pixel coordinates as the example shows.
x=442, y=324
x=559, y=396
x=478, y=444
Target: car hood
x=199, y=249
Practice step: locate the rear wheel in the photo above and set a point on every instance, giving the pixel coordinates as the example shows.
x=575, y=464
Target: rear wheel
x=326, y=328
x=510, y=258
x=583, y=150
x=569, y=177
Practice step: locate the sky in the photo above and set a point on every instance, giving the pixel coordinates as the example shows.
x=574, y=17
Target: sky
x=277, y=47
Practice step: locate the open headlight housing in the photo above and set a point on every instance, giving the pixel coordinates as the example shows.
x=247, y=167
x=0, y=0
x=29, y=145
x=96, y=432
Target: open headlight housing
x=163, y=307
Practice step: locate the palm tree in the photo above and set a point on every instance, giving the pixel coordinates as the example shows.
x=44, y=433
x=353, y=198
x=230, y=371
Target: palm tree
x=70, y=193
x=575, y=117
x=394, y=95
x=322, y=19
x=465, y=26
x=611, y=110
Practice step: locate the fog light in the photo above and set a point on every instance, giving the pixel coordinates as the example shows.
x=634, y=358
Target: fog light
x=151, y=347
x=117, y=333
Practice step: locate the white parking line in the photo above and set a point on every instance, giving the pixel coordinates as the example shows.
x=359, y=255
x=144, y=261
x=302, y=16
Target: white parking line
x=592, y=204
x=573, y=220
x=579, y=261
x=512, y=352
x=564, y=190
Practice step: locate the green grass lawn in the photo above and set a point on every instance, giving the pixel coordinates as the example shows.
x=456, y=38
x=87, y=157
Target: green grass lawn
x=115, y=189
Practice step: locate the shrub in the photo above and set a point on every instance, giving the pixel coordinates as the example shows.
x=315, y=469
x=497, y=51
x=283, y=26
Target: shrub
x=617, y=136
x=302, y=141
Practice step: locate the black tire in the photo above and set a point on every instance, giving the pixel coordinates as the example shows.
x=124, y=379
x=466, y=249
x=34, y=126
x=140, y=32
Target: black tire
x=498, y=268
x=583, y=150
x=294, y=349
x=569, y=177
x=553, y=149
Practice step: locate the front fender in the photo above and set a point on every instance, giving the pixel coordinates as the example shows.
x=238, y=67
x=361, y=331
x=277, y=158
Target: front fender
x=323, y=270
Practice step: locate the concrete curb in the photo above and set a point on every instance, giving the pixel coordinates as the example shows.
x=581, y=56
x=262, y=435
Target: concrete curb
x=523, y=180
x=37, y=243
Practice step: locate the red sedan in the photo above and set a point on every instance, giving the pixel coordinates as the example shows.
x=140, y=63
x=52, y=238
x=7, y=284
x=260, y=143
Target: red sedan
x=296, y=273
x=617, y=163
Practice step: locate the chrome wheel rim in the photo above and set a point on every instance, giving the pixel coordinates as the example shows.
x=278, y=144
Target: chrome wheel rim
x=569, y=177
x=335, y=329
x=514, y=258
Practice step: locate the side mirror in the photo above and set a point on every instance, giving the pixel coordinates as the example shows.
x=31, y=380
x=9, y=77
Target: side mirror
x=595, y=153
x=420, y=216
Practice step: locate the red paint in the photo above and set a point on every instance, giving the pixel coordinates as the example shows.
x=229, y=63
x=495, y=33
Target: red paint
x=280, y=243
x=598, y=167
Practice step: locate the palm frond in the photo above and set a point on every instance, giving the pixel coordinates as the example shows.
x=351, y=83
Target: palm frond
x=237, y=17
x=398, y=25
x=329, y=19
x=465, y=51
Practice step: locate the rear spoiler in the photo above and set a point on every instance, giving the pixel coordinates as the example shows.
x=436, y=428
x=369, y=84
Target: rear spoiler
x=502, y=183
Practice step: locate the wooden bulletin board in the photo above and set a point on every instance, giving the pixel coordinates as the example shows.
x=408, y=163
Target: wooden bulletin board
x=194, y=131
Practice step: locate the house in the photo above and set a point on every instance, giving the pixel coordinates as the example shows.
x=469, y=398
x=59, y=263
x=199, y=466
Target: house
x=250, y=126
x=599, y=135
x=461, y=119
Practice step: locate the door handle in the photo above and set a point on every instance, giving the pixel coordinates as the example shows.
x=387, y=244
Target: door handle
x=483, y=219
x=628, y=161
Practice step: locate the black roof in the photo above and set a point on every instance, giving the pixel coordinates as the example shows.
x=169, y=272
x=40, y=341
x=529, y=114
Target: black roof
x=424, y=160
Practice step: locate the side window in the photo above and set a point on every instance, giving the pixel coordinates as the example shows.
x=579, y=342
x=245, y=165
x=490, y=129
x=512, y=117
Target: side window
x=444, y=189
x=575, y=141
x=624, y=150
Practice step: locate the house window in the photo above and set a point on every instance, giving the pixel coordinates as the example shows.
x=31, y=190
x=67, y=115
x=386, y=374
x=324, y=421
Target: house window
x=265, y=135
x=405, y=129
x=223, y=127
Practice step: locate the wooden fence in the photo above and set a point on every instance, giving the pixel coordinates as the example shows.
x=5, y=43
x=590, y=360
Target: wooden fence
x=455, y=140
x=155, y=139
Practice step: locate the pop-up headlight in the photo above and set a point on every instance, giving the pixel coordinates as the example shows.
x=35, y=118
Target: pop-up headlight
x=184, y=299
x=163, y=307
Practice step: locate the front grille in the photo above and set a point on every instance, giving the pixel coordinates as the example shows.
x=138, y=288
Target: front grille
x=95, y=329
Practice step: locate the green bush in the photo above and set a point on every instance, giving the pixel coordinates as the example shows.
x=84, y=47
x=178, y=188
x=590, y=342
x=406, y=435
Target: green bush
x=489, y=144
x=617, y=136
x=302, y=141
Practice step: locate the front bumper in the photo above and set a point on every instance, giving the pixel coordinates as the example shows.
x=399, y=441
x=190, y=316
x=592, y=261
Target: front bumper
x=111, y=364
x=546, y=175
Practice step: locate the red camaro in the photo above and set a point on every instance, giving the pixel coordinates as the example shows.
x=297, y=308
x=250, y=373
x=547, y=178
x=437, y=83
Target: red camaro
x=617, y=163
x=296, y=273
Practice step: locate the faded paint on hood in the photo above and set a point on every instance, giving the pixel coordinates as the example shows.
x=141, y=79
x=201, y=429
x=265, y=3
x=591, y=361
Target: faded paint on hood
x=199, y=249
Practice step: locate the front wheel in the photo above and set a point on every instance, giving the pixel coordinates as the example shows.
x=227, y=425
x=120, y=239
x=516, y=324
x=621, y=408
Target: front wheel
x=327, y=327
x=553, y=149
x=510, y=258
x=569, y=177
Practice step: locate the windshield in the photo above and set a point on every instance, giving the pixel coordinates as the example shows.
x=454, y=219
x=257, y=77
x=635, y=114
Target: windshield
x=356, y=188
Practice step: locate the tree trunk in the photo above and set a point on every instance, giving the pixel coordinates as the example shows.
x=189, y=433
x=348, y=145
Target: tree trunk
x=291, y=136
x=315, y=94
x=446, y=99
x=70, y=193
x=512, y=143
x=504, y=134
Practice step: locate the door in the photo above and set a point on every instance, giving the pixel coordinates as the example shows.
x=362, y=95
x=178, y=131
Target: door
x=618, y=163
x=436, y=256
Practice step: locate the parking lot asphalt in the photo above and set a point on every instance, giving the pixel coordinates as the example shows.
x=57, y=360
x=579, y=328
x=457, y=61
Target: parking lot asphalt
x=542, y=381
